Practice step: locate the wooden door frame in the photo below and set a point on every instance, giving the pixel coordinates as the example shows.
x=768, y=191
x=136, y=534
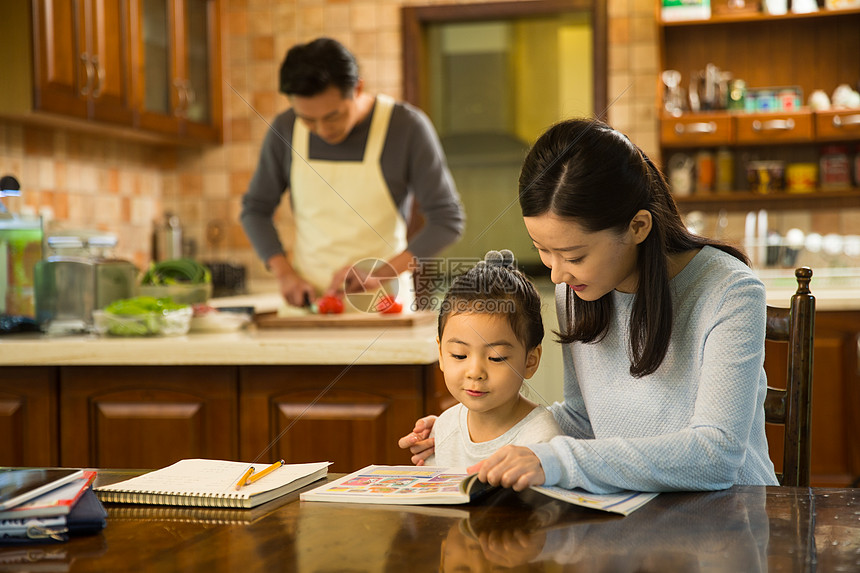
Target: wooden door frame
x=415, y=18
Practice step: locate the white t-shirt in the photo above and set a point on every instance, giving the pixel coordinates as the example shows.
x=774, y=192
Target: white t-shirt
x=454, y=447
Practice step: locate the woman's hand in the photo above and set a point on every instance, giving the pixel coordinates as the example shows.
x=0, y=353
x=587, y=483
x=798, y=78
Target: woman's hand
x=516, y=467
x=419, y=441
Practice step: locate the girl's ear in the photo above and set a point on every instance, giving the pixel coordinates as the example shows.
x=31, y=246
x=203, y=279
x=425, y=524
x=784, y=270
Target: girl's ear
x=532, y=361
x=439, y=346
x=640, y=225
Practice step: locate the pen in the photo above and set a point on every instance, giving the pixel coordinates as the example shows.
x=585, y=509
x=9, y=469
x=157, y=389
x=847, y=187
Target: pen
x=265, y=472
x=243, y=480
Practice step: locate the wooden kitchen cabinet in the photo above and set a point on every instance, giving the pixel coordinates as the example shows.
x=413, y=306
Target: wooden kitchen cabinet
x=28, y=416
x=80, y=59
x=141, y=69
x=147, y=416
x=835, y=398
x=352, y=417
x=811, y=51
x=176, y=58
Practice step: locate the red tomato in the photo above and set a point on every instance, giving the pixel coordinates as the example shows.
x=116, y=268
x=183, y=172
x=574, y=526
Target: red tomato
x=329, y=305
x=389, y=305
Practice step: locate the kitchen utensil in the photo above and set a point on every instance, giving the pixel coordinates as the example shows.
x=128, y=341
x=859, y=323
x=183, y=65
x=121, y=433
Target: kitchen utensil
x=673, y=98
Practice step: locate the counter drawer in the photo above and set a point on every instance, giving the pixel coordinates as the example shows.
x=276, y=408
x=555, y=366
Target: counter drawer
x=697, y=130
x=838, y=125
x=770, y=128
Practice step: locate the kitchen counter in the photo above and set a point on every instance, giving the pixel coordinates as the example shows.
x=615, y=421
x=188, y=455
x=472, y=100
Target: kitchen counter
x=375, y=345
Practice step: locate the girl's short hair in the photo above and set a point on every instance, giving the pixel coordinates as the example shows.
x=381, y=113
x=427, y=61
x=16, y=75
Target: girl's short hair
x=585, y=171
x=496, y=286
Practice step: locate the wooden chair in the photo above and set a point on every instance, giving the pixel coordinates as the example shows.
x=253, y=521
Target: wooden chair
x=792, y=407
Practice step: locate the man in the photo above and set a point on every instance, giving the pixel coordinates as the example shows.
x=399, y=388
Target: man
x=353, y=164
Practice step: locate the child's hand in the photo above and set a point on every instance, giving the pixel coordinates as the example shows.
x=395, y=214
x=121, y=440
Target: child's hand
x=516, y=467
x=419, y=441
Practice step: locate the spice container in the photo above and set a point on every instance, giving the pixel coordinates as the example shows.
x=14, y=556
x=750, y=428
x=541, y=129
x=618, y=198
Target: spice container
x=766, y=176
x=705, y=172
x=801, y=177
x=725, y=170
x=835, y=167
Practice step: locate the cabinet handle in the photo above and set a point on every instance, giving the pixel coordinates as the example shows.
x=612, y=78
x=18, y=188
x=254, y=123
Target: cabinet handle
x=88, y=68
x=696, y=128
x=99, y=75
x=773, y=125
x=846, y=121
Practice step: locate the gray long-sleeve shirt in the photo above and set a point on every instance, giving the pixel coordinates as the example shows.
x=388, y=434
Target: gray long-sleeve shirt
x=413, y=165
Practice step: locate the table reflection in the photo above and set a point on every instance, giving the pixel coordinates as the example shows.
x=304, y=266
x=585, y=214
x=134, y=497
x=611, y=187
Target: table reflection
x=683, y=535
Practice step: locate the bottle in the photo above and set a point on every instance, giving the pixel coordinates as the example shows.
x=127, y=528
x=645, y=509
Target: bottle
x=725, y=170
x=167, y=239
x=705, y=171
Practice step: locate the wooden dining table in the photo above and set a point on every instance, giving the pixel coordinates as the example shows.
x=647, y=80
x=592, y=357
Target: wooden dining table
x=744, y=528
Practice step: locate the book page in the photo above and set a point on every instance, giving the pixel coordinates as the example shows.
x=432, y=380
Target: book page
x=212, y=477
x=395, y=484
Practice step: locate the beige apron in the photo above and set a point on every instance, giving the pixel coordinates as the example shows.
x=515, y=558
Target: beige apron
x=343, y=210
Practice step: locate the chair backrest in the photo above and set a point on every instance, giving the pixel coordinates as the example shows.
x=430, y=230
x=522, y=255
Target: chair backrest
x=792, y=407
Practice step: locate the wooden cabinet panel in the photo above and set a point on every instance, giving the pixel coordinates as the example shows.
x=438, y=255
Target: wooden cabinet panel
x=701, y=129
x=28, y=416
x=835, y=426
x=838, y=125
x=109, y=56
x=176, y=57
x=59, y=44
x=354, y=423
x=147, y=416
x=81, y=53
x=774, y=128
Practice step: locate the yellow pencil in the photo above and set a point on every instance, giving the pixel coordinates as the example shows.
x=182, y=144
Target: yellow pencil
x=265, y=472
x=244, y=478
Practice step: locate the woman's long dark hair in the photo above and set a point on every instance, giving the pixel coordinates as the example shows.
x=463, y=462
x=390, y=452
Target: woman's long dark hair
x=585, y=171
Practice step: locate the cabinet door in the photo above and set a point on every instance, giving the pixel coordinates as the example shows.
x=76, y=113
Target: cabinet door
x=198, y=40
x=28, y=416
x=354, y=423
x=154, y=76
x=146, y=416
x=109, y=60
x=61, y=84
x=175, y=47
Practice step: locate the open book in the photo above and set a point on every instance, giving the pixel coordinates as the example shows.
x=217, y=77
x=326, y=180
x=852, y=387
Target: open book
x=429, y=485
x=210, y=483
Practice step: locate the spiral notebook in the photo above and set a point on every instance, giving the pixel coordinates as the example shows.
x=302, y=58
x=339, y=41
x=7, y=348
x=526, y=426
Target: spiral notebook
x=210, y=483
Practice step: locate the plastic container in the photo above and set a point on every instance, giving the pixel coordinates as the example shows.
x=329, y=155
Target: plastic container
x=168, y=323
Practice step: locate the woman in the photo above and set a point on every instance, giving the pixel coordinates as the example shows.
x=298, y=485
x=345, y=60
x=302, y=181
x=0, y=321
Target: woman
x=663, y=331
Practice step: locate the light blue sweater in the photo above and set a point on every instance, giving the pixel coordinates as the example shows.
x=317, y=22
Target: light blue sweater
x=697, y=423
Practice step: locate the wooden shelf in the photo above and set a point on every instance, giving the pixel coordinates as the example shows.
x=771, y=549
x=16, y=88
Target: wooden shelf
x=748, y=201
x=757, y=17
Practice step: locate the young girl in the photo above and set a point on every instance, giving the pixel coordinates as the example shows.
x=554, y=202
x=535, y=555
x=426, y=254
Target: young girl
x=490, y=333
x=663, y=331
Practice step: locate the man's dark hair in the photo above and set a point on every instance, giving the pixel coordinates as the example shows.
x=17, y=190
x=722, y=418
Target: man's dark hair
x=309, y=69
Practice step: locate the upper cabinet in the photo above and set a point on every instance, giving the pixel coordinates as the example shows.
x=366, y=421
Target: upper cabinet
x=148, y=68
x=177, y=83
x=80, y=50
x=773, y=56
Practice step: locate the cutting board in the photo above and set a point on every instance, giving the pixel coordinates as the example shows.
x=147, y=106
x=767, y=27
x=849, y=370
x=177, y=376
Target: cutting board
x=346, y=320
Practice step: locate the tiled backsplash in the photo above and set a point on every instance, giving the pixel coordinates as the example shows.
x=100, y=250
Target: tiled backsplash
x=89, y=181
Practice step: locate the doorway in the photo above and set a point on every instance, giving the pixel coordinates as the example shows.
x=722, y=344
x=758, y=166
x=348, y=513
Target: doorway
x=492, y=77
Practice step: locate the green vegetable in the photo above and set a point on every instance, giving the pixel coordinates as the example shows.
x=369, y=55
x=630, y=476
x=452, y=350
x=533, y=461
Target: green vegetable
x=176, y=271
x=139, y=316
